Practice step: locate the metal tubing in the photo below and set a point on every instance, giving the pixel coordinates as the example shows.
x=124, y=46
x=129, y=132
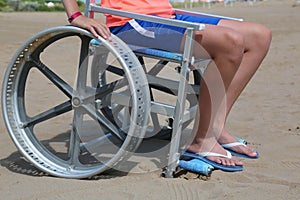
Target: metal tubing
x=174, y=154
x=150, y=18
x=200, y=14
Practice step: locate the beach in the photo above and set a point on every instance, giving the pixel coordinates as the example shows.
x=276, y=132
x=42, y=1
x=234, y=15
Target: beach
x=267, y=115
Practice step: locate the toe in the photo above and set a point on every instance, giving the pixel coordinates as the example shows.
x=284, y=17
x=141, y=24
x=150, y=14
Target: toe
x=250, y=152
x=238, y=162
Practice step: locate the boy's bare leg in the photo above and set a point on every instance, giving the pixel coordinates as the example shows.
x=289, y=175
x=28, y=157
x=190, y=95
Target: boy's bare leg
x=226, y=48
x=211, y=132
x=257, y=40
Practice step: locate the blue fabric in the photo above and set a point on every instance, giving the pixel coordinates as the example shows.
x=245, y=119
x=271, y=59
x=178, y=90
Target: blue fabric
x=157, y=53
x=197, y=166
x=167, y=37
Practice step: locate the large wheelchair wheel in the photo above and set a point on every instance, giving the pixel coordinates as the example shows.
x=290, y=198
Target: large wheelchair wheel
x=56, y=116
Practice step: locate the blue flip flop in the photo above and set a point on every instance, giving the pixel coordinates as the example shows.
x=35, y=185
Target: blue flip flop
x=240, y=142
x=201, y=156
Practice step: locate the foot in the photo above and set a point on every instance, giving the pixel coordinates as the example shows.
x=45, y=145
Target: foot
x=211, y=145
x=226, y=138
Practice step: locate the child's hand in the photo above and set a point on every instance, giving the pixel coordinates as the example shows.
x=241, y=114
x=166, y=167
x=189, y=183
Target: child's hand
x=97, y=28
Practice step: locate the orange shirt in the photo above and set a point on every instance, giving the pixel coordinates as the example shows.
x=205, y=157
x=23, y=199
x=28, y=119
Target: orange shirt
x=160, y=8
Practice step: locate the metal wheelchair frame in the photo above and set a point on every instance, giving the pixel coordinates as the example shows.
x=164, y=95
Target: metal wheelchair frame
x=130, y=93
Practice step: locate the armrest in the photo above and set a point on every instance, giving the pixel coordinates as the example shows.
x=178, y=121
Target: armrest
x=150, y=18
x=200, y=14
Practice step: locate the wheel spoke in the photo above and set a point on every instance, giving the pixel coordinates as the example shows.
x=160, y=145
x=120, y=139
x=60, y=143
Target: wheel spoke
x=105, y=90
x=54, y=78
x=83, y=64
x=74, y=146
x=51, y=113
x=115, y=70
x=97, y=142
x=95, y=114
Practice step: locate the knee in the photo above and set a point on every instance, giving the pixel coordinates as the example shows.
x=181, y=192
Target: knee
x=262, y=36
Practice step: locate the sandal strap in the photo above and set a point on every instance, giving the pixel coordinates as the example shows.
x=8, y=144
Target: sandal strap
x=205, y=154
x=234, y=144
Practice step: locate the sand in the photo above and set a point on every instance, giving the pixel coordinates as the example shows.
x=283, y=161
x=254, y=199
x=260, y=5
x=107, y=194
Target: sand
x=267, y=114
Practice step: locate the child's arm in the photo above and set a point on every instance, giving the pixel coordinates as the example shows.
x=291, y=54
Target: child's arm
x=75, y=18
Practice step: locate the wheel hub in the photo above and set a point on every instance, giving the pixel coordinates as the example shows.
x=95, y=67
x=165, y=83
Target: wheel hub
x=76, y=102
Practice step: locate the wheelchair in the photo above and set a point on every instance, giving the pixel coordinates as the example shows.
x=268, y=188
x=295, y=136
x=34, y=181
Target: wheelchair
x=101, y=98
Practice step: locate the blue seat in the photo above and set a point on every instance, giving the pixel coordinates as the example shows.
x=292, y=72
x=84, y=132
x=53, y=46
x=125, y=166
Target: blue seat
x=149, y=52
